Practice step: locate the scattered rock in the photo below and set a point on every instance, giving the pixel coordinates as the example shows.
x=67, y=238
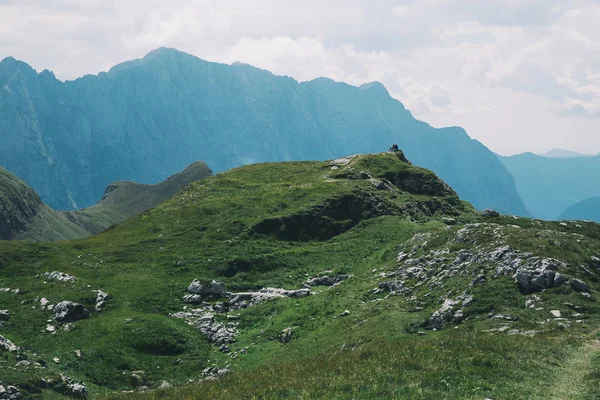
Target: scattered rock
x=50, y=328
x=579, y=285
x=4, y=315
x=215, y=332
x=488, y=213
x=138, y=379
x=10, y=393
x=198, y=291
x=192, y=299
x=101, y=298
x=445, y=315
x=344, y=314
x=58, y=276
x=326, y=280
x=555, y=313
x=286, y=335
x=7, y=345
x=214, y=373
x=68, y=311
x=164, y=385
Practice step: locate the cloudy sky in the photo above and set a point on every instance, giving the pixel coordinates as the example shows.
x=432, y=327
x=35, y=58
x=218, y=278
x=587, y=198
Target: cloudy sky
x=518, y=75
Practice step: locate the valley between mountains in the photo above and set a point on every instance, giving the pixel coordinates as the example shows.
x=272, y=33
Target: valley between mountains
x=359, y=277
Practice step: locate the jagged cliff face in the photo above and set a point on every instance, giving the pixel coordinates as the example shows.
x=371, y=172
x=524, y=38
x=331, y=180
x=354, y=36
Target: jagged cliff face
x=149, y=118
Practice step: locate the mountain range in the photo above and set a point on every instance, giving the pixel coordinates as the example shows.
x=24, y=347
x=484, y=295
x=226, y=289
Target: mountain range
x=550, y=185
x=146, y=119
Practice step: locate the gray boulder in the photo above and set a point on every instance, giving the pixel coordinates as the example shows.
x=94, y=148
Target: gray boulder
x=4, y=315
x=490, y=213
x=446, y=314
x=58, y=276
x=326, y=280
x=10, y=393
x=192, y=299
x=286, y=335
x=7, y=345
x=579, y=285
x=101, y=298
x=68, y=311
x=216, y=288
x=215, y=332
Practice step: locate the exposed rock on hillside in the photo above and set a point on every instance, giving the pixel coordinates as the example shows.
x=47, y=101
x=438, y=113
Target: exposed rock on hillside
x=68, y=311
x=10, y=393
x=7, y=345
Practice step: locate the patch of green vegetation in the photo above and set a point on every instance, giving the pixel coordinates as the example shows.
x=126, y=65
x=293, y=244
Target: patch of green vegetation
x=277, y=225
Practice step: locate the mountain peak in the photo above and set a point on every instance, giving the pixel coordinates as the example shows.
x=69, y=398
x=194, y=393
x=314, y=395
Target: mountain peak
x=374, y=86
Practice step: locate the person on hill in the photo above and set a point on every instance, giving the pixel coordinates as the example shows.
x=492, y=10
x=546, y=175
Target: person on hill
x=394, y=148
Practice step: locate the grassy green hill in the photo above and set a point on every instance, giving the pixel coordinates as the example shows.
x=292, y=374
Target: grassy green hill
x=125, y=199
x=428, y=298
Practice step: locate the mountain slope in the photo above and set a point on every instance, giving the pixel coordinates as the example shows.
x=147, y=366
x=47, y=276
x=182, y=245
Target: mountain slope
x=23, y=215
x=588, y=209
x=548, y=186
x=147, y=118
x=383, y=284
x=125, y=199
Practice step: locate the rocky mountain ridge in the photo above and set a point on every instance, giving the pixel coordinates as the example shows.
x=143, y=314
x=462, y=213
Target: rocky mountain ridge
x=148, y=118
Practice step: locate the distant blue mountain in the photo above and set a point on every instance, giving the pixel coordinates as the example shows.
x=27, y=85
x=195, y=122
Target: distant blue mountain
x=588, y=210
x=550, y=185
x=148, y=118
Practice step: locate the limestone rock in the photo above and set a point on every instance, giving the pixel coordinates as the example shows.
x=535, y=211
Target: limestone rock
x=579, y=285
x=10, y=393
x=490, y=213
x=326, y=280
x=68, y=311
x=7, y=345
x=216, y=288
x=446, y=314
x=286, y=335
x=58, y=276
x=101, y=298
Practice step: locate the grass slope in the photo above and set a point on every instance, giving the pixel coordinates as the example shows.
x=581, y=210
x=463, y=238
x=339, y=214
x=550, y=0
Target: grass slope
x=125, y=199
x=23, y=215
x=276, y=225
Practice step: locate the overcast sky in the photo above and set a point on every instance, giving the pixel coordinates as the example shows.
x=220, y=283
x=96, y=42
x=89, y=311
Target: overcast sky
x=518, y=75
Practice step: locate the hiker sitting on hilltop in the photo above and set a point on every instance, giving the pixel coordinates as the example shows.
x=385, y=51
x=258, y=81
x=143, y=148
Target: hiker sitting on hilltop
x=394, y=148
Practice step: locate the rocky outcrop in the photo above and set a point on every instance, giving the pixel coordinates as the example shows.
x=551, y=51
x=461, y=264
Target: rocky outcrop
x=10, y=393
x=197, y=291
x=68, y=311
x=539, y=273
x=7, y=345
x=488, y=213
x=579, y=285
x=217, y=333
x=4, y=315
x=58, y=276
x=449, y=312
x=101, y=298
x=326, y=280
